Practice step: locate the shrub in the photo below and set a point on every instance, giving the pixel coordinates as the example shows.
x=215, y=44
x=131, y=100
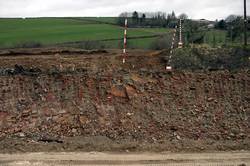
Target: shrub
x=30, y=44
x=129, y=45
x=91, y=45
x=206, y=58
x=161, y=43
x=185, y=59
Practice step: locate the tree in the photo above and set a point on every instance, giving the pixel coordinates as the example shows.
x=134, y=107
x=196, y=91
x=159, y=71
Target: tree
x=235, y=28
x=121, y=18
x=221, y=25
x=183, y=16
x=135, y=17
x=144, y=16
x=143, y=19
x=231, y=18
x=173, y=16
x=171, y=20
x=193, y=32
x=154, y=19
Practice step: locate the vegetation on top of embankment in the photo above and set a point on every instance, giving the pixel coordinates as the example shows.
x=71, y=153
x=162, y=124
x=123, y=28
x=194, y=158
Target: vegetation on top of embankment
x=206, y=58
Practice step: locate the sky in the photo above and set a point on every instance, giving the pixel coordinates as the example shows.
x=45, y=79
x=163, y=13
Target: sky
x=195, y=9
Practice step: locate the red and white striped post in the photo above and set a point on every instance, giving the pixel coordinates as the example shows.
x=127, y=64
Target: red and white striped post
x=169, y=67
x=125, y=41
x=180, y=44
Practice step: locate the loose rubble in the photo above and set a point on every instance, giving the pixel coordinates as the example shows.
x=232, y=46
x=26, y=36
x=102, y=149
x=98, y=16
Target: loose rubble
x=125, y=110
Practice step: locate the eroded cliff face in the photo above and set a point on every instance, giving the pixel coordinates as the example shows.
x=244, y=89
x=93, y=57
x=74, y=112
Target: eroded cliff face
x=135, y=104
x=140, y=105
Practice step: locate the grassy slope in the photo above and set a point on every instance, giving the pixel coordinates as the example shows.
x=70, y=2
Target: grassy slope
x=49, y=31
x=110, y=20
x=60, y=30
x=218, y=35
x=221, y=38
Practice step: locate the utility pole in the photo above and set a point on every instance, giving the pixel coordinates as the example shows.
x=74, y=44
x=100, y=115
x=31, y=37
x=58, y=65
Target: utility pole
x=231, y=34
x=245, y=22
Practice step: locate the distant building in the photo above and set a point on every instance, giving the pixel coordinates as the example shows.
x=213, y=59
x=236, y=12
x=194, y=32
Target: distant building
x=204, y=21
x=211, y=26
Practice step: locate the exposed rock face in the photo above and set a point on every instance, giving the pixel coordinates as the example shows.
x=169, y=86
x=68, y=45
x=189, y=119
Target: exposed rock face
x=139, y=105
x=106, y=100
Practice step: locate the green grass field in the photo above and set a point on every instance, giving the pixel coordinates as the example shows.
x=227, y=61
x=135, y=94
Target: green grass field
x=107, y=20
x=217, y=36
x=53, y=31
x=49, y=31
x=220, y=37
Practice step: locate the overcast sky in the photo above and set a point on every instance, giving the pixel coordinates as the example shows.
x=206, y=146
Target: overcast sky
x=196, y=9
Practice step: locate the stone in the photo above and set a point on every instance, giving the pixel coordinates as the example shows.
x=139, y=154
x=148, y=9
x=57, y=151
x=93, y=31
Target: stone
x=130, y=91
x=83, y=120
x=62, y=111
x=210, y=99
x=74, y=131
x=118, y=91
x=22, y=135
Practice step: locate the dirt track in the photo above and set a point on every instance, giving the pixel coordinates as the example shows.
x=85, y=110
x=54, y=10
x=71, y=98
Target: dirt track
x=101, y=159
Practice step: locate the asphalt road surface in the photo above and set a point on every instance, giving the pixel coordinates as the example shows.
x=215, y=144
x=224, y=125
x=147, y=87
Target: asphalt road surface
x=135, y=159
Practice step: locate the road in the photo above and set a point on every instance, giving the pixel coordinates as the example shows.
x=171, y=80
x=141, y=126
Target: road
x=135, y=159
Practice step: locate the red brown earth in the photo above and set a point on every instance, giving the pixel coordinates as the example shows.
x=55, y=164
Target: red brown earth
x=73, y=100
